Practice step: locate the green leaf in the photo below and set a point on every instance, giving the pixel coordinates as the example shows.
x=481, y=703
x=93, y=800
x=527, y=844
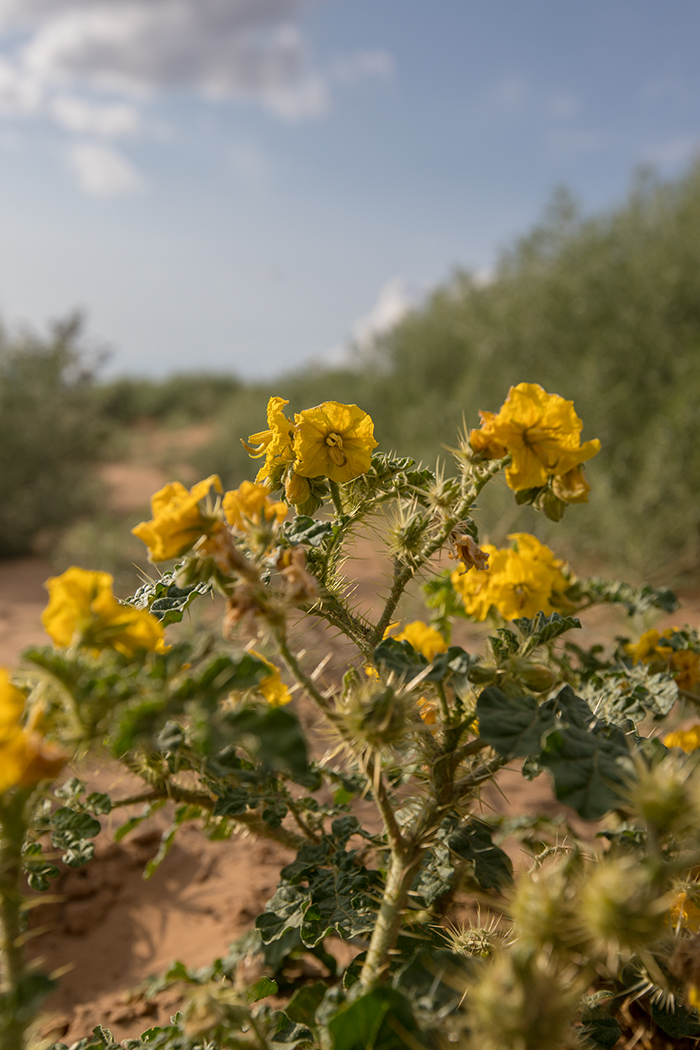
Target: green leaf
x=635, y=599
x=399, y=657
x=339, y=901
x=303, y=1005
x=284, y=911
x=261, y=989
x=630, y=694
x=304, y=529
x=603, y=1031
x=290, y=1034
x=679, y=1023
x=434, y=877
x=586, y=768
x=380, y=1020
x=513, y=726
x=29, y=994
x=71, y=832
x=493, y=869
x=543, y=629
x=165, y=599
x=277, y=738
x=98, y=802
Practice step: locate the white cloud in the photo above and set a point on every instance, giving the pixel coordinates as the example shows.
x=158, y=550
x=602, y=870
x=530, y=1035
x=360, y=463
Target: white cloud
x=102, y=171
x=107, y=120
x=94, y=66
x=20, y=92
x=673, y=151
x=364, y=64
x=396, y=299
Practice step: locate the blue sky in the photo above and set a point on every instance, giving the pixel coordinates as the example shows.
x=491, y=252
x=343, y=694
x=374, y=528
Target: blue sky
x=248, y=185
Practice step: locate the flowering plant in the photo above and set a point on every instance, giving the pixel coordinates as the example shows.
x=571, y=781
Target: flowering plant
x=588, y=941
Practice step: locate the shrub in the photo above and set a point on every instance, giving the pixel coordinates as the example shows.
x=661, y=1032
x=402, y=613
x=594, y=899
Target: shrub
x=586, y=945
x=50, y=434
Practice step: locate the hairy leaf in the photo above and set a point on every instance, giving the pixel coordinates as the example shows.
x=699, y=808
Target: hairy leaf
x=165, y=599
x=514, y=726
x=380, y=1020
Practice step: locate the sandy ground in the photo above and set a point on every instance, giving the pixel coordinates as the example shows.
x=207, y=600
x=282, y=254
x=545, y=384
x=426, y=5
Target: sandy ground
x=107, y=928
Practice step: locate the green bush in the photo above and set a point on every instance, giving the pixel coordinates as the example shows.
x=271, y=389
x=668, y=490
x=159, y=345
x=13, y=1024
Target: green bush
x=604, y=310
x=50, y=434
x=176, y=400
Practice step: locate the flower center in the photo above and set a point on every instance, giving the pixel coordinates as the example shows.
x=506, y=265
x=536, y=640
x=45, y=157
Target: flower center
x=335, y=449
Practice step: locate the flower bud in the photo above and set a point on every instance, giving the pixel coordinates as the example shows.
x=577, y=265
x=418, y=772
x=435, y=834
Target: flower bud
x=620, y=907
x=297, y=489
x=545, y=910
x=666, y=797
x=537, y=678
x=520, y=1003
x=380, y=719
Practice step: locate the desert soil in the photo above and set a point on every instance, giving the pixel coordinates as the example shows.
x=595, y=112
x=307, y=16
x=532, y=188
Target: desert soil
x=107, y=929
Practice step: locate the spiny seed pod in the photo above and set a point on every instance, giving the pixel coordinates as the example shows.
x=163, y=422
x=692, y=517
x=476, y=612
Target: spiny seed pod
x=473, y=942
x=406, y=535
x=545, y=909
x=519, y=1003
x=379, y=718
x=620, y=908
x=667, y=797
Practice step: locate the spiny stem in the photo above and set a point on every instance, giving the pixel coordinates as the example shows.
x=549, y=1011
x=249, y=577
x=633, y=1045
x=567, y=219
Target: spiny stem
x=302, y=678
x=335, y=496
x=12, y=830
x=402, y=870
x=378, y=787
x=402, y=575
x=250, y=820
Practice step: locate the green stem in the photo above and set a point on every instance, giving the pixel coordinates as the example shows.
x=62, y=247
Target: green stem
x=334, y=612
x=402, y=574
x=402, y=870
x=335, y=496
x=12, y=830
x=250, y=820
x=375, y=781
x=302, y=678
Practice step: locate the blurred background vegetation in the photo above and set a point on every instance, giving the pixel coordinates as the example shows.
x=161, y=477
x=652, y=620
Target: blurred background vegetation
x=604, y=310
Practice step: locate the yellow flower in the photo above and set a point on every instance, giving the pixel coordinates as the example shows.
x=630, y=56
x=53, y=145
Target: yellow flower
x=542, y=433
x=333, y=441
x=272, y=687
x=275, y=443
x=250, y=504
x=571, y=487
x=25, y=757
x=686, y=739
x=428, y=710
x=82, y=610
x=177, y=521
x=520, y=581
x=685, y=667
x=646, y=648
x=683, y=664
x=424, y=639
x=684, y=912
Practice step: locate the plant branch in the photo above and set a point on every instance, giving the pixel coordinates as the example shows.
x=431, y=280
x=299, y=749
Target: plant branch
x=302, y=678
x=250, y=820
x=376, y=782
